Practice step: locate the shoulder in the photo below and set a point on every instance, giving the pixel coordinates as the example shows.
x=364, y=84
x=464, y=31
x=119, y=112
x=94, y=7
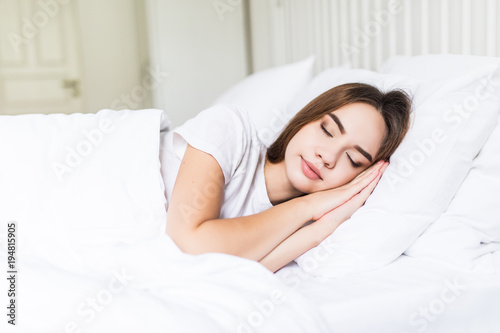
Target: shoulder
x=224, y=131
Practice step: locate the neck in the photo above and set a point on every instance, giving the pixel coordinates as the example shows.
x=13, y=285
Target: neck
x=278, y=186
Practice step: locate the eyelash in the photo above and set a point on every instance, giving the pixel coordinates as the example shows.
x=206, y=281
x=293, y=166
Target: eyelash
x=326, y=132
x=354, y=164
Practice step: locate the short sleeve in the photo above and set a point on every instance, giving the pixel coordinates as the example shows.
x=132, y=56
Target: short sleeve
x=223, y=131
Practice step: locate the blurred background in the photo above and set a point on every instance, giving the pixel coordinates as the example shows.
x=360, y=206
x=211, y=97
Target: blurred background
x=85, y=55
x=66, y=56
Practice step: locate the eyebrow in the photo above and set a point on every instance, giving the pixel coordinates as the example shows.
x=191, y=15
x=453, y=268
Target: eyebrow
x=339, y=124
x=342, y=131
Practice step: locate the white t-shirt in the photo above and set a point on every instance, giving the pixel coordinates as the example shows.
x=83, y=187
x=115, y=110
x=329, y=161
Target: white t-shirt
x=227, y=133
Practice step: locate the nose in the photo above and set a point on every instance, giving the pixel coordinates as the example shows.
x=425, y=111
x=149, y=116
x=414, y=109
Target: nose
x=328, y=159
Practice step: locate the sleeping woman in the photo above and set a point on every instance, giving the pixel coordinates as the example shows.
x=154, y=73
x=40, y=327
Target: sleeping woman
x=228, y=193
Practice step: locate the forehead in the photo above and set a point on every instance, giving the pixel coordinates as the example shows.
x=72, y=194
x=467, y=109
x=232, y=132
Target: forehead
x=358, y=117
x=363, y=123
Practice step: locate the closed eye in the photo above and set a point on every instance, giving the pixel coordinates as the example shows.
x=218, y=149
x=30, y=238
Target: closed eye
x=354, y=164
x=326, y=132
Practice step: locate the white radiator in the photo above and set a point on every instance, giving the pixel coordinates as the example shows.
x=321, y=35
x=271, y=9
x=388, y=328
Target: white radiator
x=367, y=32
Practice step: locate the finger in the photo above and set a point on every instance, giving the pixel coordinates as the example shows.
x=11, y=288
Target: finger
x=384, y=167
x=344, y=211
x=354, y=188
x=381, y=166
x=362, y=183
x=371, y=186
x=375, y=166
x=360, y=198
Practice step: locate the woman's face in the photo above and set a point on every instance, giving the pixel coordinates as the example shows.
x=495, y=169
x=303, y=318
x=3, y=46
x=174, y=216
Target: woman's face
x=340, y=145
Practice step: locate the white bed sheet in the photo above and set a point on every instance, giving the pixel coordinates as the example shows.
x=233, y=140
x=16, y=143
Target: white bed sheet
x=409, y=295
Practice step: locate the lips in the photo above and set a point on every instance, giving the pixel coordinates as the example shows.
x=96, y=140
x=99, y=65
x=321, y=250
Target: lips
x=309, y=170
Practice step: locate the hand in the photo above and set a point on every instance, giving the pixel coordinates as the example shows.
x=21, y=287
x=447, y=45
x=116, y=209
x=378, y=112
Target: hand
x=337, y=216
x=323, y=202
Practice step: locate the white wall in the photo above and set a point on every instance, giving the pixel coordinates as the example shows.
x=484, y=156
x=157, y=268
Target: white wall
x=114, y=58
x=201, y=47
x=260, y=23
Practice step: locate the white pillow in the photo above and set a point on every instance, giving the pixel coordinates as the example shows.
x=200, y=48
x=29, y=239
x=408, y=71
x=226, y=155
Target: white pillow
x=466, y=234
x=265, y=94
x=469, y=230
x=81, y=179
x=425, y=172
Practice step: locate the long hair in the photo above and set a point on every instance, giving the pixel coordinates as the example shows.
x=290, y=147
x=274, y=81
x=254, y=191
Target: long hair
x=394, y=106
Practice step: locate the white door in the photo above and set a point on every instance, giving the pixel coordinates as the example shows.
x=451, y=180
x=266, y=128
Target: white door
x=39, y=51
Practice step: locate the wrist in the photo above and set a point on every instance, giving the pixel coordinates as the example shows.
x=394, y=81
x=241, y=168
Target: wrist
x=305, y=207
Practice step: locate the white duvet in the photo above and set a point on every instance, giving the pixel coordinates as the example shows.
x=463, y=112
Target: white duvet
x=144, y=287
x=86, y=194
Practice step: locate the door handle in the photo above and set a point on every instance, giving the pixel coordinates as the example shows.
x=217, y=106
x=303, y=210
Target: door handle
x=74, y=85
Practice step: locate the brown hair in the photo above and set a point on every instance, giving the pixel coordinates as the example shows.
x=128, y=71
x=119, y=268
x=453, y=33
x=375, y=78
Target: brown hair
x=394, y=106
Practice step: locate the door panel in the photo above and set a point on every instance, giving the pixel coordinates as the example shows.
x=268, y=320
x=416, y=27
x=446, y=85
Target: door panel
x=38, y=57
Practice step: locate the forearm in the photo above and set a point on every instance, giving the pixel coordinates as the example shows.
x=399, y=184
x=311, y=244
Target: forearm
x=295, y=245
x=311, y=235
x=251, y=236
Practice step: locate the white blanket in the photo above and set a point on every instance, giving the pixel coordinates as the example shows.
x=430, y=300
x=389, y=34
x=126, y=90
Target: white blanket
x=86, y=194
x=148, y=287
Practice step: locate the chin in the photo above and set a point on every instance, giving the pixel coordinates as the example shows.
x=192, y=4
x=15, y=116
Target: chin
x=302, y=183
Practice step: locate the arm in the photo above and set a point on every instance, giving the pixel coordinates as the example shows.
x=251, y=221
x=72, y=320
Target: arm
x=294, y=246
x=193, y=215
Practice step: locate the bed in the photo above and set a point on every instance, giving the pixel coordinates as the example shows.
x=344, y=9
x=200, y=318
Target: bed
x=83, y=194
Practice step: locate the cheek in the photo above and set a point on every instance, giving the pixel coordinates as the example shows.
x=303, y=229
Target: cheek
x=301, y=142
x=340, y=177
